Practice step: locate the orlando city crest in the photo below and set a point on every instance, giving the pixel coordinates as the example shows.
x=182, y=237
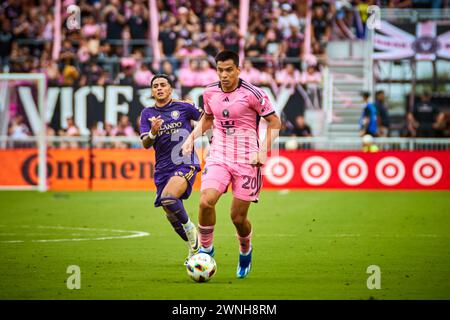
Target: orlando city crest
x=175, y=114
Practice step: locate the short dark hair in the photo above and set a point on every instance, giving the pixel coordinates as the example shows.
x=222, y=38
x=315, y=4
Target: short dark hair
x=228, y=55
x=161, y=75
x=379, y=92
x=365, y=94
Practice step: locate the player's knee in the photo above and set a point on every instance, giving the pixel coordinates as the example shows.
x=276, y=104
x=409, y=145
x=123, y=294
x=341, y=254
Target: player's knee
x=238, y=220
x=206, y=204
x=167, y=201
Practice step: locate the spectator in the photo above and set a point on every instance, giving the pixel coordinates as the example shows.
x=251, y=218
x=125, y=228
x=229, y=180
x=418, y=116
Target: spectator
x=321, y=26
x=19, y=130
x=72, y=131
x=6, y=42
x=128, y=68
x=70, y=74
x=97, y=130
x=288, y=77
x=189, y=76
x=137, y=21
x=188, y=52
x=125, y=129
x=143, y=75
x=287, y=19
x=267, y=77
x=231, y=37
x=271, y=42
x=207, y=75
x=253, y=47
x=250, y=74
x=425, y=120
x=343, y=9
x=113, y=16
x=382, y=112
x=301, y=129
x=167, y=38
x=292, y=45
x=368, y=121
x=167, y=68
x=311, y=76
x=209, y=40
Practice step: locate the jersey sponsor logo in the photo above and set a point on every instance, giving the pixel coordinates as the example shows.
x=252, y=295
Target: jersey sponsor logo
x=226, y=100
x=228, y=126
x=262, y=101
x=225, y=113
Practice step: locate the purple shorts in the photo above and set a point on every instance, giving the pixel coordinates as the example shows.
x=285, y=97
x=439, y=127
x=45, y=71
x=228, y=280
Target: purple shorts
x=161, y=178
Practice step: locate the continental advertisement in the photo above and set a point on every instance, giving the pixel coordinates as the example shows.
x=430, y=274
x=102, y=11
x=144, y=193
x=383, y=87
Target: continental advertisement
x=133, y=169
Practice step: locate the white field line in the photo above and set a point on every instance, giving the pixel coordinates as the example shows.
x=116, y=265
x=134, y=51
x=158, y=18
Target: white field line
x=128, y=234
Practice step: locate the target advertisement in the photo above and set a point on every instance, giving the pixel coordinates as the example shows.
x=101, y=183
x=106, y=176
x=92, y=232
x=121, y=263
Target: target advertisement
x=353, y=170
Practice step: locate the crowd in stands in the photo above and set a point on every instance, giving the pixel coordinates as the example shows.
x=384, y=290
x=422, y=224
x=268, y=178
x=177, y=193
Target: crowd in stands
x=112, y=47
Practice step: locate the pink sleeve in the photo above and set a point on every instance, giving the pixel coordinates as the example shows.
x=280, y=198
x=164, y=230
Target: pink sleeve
x=262, y=104
x=206, y=106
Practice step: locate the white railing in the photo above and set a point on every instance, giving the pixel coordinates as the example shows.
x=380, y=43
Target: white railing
x=327, y=97
x=301, y=143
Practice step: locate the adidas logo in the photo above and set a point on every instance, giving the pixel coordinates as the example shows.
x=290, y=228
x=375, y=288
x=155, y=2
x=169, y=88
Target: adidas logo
x=226, y=100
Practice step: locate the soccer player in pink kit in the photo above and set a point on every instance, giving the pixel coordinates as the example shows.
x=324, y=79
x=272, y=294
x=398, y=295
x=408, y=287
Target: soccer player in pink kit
x=233, y=107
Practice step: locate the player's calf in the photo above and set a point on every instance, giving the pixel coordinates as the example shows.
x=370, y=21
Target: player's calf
x=175, y=206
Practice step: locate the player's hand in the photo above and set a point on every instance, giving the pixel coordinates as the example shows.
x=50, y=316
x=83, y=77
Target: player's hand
x=156, y=124
x=188, y=145
x=258, y=159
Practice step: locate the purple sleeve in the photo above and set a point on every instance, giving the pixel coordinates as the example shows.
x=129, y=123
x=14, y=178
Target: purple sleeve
x=145, y=124
x=195, y=112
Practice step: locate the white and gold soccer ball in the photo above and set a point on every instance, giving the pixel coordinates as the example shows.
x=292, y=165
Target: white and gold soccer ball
x=201, y=267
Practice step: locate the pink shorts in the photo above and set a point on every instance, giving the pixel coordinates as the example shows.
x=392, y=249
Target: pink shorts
x=245, y=179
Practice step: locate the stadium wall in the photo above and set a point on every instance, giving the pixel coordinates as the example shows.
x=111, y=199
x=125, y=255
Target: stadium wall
x=133, y=169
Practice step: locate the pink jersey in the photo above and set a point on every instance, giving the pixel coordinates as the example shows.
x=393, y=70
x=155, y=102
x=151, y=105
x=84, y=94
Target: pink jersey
x=236, y=120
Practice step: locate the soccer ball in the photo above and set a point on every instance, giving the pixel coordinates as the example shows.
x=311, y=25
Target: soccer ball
x=201, y=267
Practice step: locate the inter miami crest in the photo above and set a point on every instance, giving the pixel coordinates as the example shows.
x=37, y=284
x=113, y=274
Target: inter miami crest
x=225, y=113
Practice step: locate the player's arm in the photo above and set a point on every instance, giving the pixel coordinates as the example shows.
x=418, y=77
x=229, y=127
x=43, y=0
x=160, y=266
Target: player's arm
x=205, y=123
x=149, y=139
x=272, y=132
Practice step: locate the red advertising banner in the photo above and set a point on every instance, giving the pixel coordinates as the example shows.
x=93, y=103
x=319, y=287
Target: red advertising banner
x=133, y=169
x=358, y=170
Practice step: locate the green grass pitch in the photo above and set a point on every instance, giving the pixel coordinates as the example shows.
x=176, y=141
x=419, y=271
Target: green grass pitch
x=307, y=245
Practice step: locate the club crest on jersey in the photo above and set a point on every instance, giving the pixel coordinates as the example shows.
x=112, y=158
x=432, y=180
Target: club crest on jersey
x=175, y=114
x=226, y=113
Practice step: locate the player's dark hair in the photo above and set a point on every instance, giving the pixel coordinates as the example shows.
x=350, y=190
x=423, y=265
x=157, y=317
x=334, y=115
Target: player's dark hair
x=379, y=92
x=164, y=76
x=227, y=55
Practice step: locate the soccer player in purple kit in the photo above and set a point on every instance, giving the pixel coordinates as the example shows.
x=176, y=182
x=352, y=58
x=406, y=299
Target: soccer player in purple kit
x=163, y=126
x=233, y=108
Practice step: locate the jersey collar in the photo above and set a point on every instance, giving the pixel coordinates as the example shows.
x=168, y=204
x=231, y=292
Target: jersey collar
x=166, y=105
x=238, y=86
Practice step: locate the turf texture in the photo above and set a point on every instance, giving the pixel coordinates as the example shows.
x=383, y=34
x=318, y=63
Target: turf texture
x=307, y=245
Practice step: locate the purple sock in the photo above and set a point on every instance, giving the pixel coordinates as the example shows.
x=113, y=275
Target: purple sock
x=176, y=224
x=175, y=206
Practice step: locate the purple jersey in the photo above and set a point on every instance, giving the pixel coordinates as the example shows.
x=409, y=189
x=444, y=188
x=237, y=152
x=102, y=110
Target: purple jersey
x=177, y=116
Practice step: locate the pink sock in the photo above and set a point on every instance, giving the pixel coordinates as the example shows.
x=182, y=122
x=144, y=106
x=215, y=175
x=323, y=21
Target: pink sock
x=206, y=235
x=245, y=243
